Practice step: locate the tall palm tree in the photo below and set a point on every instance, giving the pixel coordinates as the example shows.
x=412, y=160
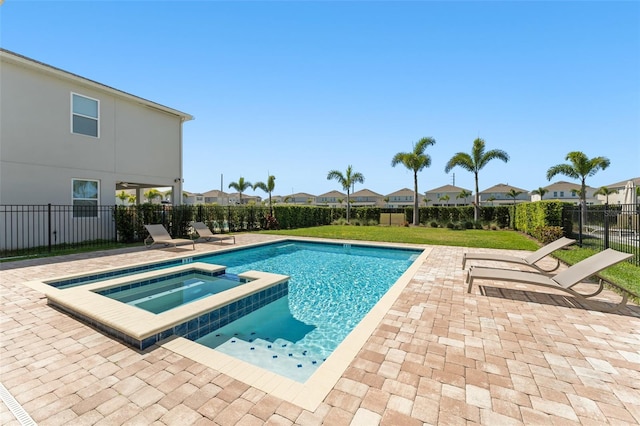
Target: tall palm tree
x=241, y=185
x=267, y=187
x=581, y=167
x=540, y=191
x=346, y=181
x=446, y=199
x=463, y=194
x=514, y=194
x=415, y=160
x=474, y=163
x=603, y=190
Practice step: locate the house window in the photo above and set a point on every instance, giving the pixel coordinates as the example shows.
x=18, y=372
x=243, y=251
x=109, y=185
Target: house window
x=85, y=115
x=562, y=194
x=555, y=193
x=85, y=195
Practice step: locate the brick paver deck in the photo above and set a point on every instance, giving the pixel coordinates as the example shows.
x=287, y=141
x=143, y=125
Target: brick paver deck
x=498, y=356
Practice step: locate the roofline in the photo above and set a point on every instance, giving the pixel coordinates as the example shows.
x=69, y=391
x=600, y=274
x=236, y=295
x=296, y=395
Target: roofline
x=16, y=58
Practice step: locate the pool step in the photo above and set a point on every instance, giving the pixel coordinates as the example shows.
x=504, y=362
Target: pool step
x=283, y=356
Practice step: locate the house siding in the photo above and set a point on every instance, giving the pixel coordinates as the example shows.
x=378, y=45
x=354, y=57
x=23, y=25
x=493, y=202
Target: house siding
x=40, y=155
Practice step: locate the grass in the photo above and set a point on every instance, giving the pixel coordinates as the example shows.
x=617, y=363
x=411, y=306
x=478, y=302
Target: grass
x=419, y=235
x=623, y=274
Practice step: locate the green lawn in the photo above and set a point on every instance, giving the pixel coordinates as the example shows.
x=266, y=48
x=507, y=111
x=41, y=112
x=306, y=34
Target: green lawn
x=419, y=235
x=624, y=274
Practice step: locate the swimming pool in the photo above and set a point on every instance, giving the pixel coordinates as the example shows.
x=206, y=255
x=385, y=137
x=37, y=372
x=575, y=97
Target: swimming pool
x=331, y=288
x=168, y=292
x=306, y=299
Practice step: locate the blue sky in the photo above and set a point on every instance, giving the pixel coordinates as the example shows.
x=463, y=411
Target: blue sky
x=296, y=89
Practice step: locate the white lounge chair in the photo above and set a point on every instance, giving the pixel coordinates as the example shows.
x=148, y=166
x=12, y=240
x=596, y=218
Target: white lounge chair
x=205, y=233
x=529, y=260
x=159, y=235
x=563, y=281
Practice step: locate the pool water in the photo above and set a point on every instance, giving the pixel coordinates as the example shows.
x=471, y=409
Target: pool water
x=332, y=287
x=167, y=294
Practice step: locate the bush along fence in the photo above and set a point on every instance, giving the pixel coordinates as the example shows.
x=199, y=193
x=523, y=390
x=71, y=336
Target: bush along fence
x=33, y=229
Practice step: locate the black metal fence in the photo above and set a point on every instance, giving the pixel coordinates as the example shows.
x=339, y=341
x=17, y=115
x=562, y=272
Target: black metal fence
x=26, y=229
x=36, y=229
x=608, y=226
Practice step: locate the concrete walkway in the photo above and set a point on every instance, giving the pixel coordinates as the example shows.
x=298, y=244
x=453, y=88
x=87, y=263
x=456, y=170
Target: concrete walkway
x=497, y=356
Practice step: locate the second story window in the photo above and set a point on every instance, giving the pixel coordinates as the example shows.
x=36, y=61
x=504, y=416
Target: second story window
x=85, y=115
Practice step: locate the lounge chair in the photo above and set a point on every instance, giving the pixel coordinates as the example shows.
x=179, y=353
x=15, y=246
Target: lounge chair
x=529, y=260
x=159, y=235
x=205, y=233
x=563, y=281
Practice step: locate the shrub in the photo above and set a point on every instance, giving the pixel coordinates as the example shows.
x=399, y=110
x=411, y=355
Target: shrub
x=450, y=225
x=547, y=234
x=433, y=224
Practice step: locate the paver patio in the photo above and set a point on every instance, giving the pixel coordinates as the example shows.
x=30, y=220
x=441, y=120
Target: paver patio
x=497, y=356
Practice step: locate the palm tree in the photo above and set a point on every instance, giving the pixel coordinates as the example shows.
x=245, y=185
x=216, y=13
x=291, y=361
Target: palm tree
x=445, y=198
x=131, y=199
x=346, y=181
x=152, y=194
x=415, y=160
x=603, y=190
x=513, y=194
x=241, y=185
x=540, y=191
x=267, y=187
x=123, y=196
x=426, y=200
x=473, y=163
x=580, y=168
x=463, y=194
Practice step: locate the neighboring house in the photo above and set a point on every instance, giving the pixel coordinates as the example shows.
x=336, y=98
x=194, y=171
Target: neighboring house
x=400, y=198
x=568, y=192
x=234, y=199
x=193, y=199
x=618, y=196
x=332, y=199
x=216, y=197
x=297, y=198
x=365, y=197
x=437, y=196
x=499, y=195
x=69, y=140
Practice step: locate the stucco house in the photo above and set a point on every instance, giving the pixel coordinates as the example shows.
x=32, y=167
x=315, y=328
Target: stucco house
x=499, y=195
x=332, y=199
x=366, y=197
x=447, y=195
x=216, y=196
x=618, y=195
x=68, y=140
x=401, y=198
x=568, y=192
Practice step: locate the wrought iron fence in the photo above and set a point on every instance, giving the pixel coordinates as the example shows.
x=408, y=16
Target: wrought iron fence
x=35, y=229
x=608, y=226
x=28, y=229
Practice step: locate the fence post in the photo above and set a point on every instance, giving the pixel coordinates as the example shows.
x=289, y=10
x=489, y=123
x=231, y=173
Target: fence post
x=580, y=226
x=49, y=226
x=115, y=220
x=606, y=226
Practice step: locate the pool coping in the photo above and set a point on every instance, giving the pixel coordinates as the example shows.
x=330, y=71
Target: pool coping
x=139, y=323
x=306, y=395
x=310, y=394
